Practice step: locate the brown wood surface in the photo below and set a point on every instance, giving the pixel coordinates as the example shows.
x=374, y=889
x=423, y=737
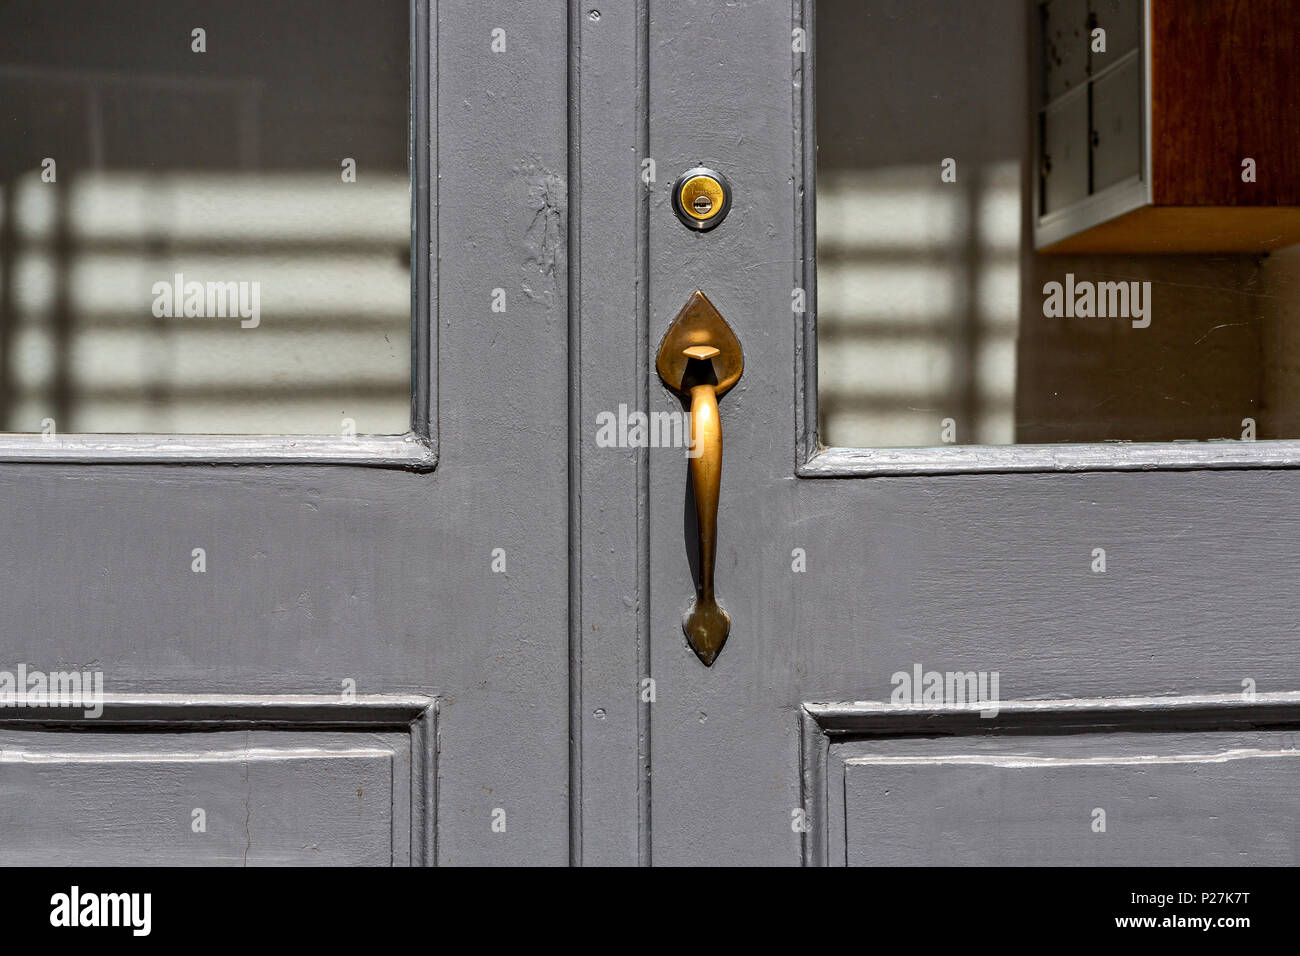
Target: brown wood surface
x=1225, y=86
x=1189, y=229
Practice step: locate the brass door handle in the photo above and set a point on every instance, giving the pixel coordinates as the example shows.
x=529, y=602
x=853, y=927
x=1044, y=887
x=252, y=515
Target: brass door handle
x=700, y=359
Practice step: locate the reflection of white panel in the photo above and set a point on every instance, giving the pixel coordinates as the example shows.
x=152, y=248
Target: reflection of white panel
x=905, y=209
x=918, y=294
x=911, y=369
x=1000, y=211
x=917, y=369
x=995, y=368
x=242, y=416
x=997, y=297
x=215, y=354
x=31, y=359
x=333, y=303
x=895, y=428
x=35, y=207
x=224, y=414
x=866, y=292
x=365, y=281
x=208, y=207
x=34, y=282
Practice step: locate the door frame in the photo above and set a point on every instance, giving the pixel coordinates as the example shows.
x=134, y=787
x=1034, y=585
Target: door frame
x=814, y=460
x=423, y=625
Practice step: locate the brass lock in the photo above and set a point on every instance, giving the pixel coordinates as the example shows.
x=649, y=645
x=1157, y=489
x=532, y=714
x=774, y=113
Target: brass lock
x=701, y=198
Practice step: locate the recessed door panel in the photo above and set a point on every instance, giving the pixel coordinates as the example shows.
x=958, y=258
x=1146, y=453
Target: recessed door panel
x=1107, y=801
x=293, y=799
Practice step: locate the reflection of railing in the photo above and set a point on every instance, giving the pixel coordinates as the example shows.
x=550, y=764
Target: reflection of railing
x=332, y=265
x=918, y=298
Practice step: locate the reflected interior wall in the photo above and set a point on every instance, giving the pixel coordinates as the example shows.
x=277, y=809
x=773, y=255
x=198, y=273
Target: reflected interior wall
x=904, y=85
x=284, y=91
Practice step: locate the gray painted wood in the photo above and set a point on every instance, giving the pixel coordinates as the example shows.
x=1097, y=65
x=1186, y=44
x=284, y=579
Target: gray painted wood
x=273, y=804
x=721, y=95
x=392, y=451
x=1181, y=799
x=221, y=780
x=954, y=562
x=1104, y=738
x=609, y=617
x=320, y=573
x=1116, y=456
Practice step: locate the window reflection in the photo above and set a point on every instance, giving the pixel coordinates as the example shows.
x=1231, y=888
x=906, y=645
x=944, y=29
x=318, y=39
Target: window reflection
x=918, y=290
x=223, y=168
x=930, y=302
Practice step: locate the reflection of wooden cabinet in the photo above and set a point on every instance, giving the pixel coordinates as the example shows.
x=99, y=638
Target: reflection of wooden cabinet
x=1143, y=147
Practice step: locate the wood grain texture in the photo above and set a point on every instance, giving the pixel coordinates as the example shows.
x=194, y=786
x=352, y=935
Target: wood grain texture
x=285, y=804
x=986, y=571
x=280, y=779
x=1113, y=456
x=1180, y=799
x=321, y=573
x=411, y=451
x=1225, y=80
x=1188, y=230
x=610, y=723
x=1203, y=780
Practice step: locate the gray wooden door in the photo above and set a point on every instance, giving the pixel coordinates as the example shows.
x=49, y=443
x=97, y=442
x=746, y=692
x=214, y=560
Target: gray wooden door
x=464, y=644
x=371, y=665
x=1144, y=714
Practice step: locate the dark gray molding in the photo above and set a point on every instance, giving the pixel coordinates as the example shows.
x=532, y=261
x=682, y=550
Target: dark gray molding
x=813, y=460
x=424, y=226
x=805, y=234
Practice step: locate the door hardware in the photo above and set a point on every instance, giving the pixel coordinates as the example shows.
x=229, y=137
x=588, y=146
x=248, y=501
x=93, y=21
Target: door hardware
x=700, y=359
x=701, y=198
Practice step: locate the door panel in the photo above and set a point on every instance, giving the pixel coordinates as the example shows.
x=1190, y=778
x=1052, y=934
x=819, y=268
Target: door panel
x=988, y=571
x=484, y=662
x=1099, y=781
x=220, y=780
x=290, y=800
x=724, y=739
x=360, y=579
x=1176, y=801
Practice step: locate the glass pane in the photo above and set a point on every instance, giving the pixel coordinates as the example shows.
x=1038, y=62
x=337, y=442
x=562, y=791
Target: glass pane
x=184, y=245
x=939, y=321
